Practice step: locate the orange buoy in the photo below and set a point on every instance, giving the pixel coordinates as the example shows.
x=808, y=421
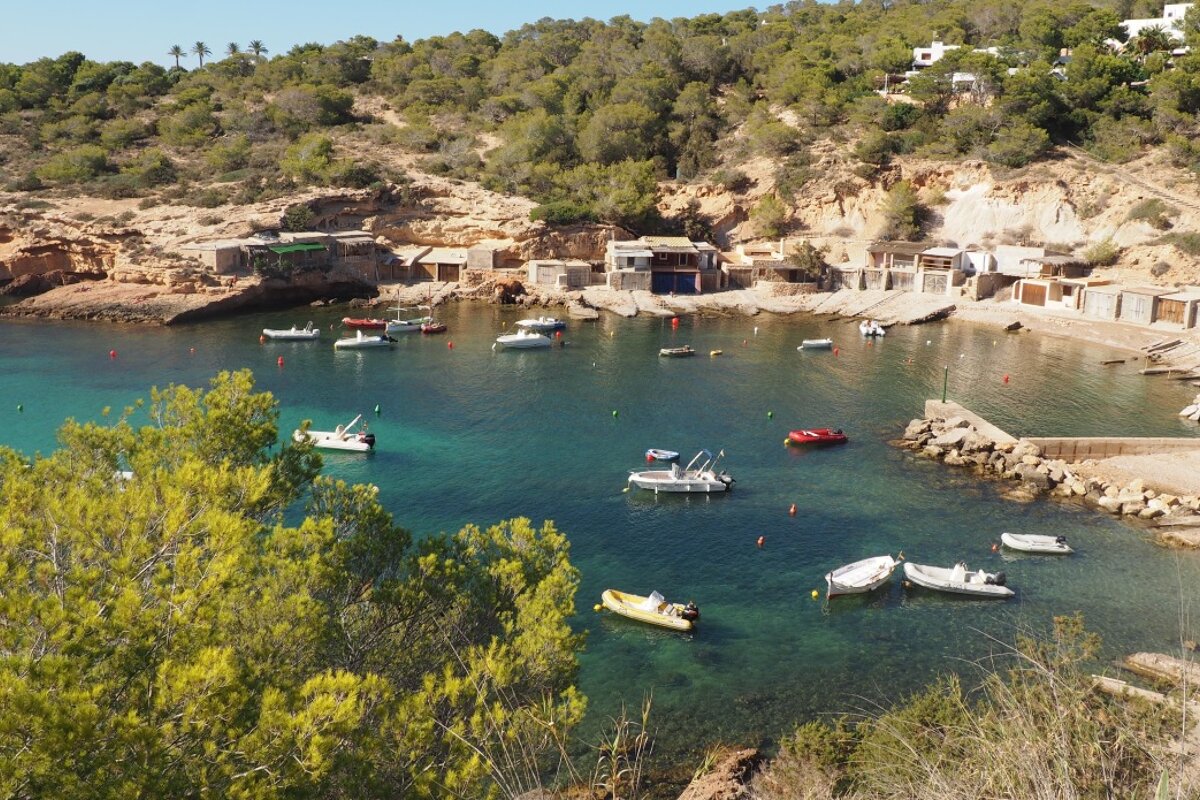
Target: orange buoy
x=262, y=339
x=674, y=322
x=761, y=541
x=1006, y=379
x=279, y=361
x=558, y=334
x=112, y=353
x=995, y=547
x=449, y=345
x=649, y=458
x=792, y=510
x=836, y=351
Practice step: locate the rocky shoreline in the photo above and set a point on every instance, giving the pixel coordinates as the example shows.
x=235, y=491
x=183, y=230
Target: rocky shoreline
x=957, y=441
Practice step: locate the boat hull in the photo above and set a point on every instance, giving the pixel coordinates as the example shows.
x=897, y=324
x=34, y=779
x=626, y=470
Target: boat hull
x=871, y=329
x=523, y=341
x=654, y=454
x=816, y=344
x=366, y=343
x=677, y=352
x=663, y=481
x=627, y=606
x=817, y=436
x=364, y=324
x=331, y=440
x=860, y=577
x=941, y=579
x=1034, y=543
x=541, y=324
x=291, y=334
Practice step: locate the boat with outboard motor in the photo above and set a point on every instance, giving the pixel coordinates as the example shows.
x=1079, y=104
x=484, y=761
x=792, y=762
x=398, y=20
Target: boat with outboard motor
x=959, y=580
x=677, y=352
x=293, y=334
x=409, y=325
x=654, y=610
x=816, y=344
x=816, y=436
x=343, y=437
x=541, y=324
x=869, y=327
x=1036, y=543
x=523, y=340
x=365, y=323
x=862, y=576
x=699, y=476
x=655, y=454
x=362, y=341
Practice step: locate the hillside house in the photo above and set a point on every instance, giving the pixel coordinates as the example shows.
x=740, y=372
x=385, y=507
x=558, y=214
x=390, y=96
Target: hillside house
x=760, y=261
x=1171, y=22
x=663, y=264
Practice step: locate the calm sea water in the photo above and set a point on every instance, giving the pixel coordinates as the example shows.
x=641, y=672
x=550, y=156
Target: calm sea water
x=470, y=435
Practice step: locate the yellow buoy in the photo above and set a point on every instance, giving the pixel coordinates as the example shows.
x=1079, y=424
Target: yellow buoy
x=815, y=594
x=597, y=607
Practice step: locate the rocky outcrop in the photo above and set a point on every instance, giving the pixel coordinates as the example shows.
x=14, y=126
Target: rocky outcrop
x=956, y=442
x=727, y=780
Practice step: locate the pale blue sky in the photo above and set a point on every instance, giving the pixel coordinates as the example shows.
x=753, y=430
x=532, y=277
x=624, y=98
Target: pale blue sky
x=142, y=30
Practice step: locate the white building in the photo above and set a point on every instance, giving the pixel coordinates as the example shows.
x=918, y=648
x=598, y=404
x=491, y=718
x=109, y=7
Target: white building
x=1171, y=21
x=928, y=56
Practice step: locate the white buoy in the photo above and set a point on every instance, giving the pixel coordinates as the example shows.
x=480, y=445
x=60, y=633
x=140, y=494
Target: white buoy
x=756, y=330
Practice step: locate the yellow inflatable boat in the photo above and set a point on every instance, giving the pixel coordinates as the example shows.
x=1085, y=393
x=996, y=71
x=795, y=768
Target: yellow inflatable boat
x=654, y=609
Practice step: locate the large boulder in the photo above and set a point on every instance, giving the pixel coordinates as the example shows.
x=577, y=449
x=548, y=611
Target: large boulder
x=1031, y=474
x=952, y=438
x=917, y=427
x=975, y=442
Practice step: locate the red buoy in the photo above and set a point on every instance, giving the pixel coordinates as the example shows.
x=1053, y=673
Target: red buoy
x=112, y=353
x=792, y=510
x=1006, y=379
x=449, y=345
x=761, y=540
x=262, y=339
x=649, y=458
x=836, y=351
x=558, y=334
x=674, y=322
x=279, y=361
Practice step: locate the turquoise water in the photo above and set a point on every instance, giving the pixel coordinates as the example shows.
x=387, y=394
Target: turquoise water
x=468, y=435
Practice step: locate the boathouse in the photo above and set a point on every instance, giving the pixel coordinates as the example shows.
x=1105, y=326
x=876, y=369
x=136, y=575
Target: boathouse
x=1179, y=310
x=1102, y=302
x=663, y=264
x=1139, y=304
x=442, y=264
x=560, y=273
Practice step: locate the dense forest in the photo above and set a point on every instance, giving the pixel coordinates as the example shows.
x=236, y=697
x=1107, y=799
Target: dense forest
x=586, y=117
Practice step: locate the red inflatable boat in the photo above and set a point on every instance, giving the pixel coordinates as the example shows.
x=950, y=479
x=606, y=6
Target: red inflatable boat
x=817, y=436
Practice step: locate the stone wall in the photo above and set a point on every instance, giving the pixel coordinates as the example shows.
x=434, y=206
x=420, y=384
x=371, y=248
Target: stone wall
x=1080, y=448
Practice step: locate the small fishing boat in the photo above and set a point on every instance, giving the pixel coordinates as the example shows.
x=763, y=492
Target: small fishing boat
x=699, y=476
x=361, y=341
x=364, y=323
x=715, y=353
x=817, y=436
x=407, y=325
x=958, y=580
x=541, y=324
x=861, y=576
x=523, y=340
x=1036, y=543
x=677, y=352
x=869, y=327
x=293, y=334
x=343, y=437
x=654, y=454
x=433, y=326
x=816, y=344
x=654, y=610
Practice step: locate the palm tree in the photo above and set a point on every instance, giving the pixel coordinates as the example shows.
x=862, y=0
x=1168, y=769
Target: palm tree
x=177, y=52
x=232, y=49
x=257, y=48
x=201, y=49
x=1151, y=40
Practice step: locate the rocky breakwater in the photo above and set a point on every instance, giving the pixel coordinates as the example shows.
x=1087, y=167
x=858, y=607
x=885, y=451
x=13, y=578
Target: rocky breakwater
x=956, y=441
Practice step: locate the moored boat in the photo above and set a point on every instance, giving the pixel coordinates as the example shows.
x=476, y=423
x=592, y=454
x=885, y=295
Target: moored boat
x=433, y=326
x=699, y=476
x=293, y=334
x=409, y=325
x=958, y=580
x=523, y=340
x=677, y=352
x=364, y=323
x=655, y=454
x=654, y=610
x=861, y=576
x=541, y=324
x=816, y=344
x=343, y=437
x=817, y=436
x=1036, y=543
x=361, y=341
x=869, y=327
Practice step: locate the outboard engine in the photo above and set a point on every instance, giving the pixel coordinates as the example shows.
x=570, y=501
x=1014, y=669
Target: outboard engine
x=1060, y=539
x=369, y=438
x=999, y=579
x=725, y=479
x=691, y=612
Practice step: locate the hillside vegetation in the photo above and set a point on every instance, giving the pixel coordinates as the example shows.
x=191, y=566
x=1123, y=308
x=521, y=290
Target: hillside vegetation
x=587, y=117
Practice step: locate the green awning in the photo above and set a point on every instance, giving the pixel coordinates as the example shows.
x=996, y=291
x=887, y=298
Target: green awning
x=295, y=248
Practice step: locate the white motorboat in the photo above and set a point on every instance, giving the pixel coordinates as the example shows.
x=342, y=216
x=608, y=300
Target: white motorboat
x=523, y=340
x=869, y=327
x=343, y=437
x=958, y=580
x=541, y=324
x=699, y=476
x=293, y=334
x=816, y=344
x=409, y=325
x=362, y=341
x=1036, y=543
x=861, y=576
x=655, y=454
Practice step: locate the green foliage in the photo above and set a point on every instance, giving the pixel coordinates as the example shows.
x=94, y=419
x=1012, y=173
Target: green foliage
x=561, y=212
x=1017, y=144
x=310, y=159
x=152, y=168
x=297, y=218
x=1187, y=242
x=808, y=260
x=194, y=124
x=170, y=635
x=1102, y=254
x=769, y=216
x=902, y=213
x=76, y=165
x=1154, y=212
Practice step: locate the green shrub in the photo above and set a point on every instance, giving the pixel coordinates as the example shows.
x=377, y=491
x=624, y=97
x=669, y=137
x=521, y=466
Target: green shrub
x=733, y=180
x=192, y=126
x=229, y=154
x=1154, y=212
x=562, y=212
x=1017, y=144
x=309, y=160
x=120, y=133
x=152, y=168
x=902, y=213
x=76, y=165
x=769, y=216
x=1102, y=254
x=1186, y=242
x=297, y=218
